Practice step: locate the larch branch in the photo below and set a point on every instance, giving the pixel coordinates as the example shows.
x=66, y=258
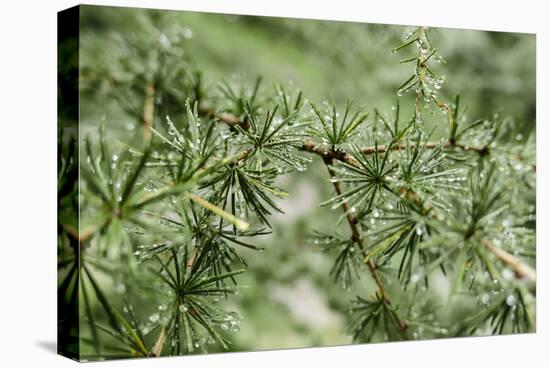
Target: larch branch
x=521, y=269
x=356, y=237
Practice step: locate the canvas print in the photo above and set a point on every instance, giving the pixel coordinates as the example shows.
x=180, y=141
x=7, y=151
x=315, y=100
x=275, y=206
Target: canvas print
x=243, y=183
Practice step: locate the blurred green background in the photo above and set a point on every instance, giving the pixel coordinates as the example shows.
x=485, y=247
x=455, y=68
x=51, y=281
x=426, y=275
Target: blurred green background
x=289, y=299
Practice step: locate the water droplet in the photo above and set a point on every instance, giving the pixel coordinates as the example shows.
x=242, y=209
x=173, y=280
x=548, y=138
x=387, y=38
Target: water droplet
x=415, y=278
x=120, y=288
x=507, y=274
x=164, y=40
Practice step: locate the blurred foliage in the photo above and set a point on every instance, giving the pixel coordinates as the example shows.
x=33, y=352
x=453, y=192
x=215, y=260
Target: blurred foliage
x=494, y=71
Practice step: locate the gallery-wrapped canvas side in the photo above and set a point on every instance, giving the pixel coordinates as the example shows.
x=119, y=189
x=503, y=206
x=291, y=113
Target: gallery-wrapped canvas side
x=68, y=242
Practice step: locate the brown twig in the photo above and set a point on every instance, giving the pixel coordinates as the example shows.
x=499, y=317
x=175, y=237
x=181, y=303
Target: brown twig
x=83, y=235
x=343, y=156
x=356, y=237
x=327, y=153
x=148, y=110
x=522, y=270
x=232, y=120
x=227, y=118
x=159, y=344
